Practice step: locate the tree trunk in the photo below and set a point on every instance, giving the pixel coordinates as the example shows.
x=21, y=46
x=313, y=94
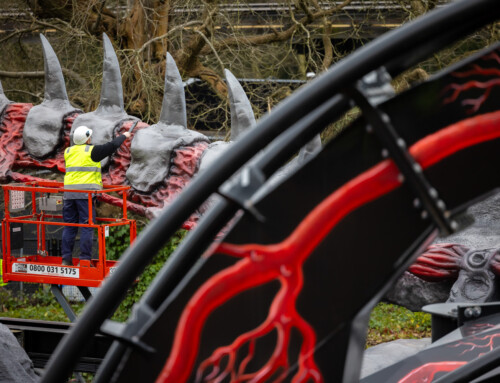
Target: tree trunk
x=161, y=24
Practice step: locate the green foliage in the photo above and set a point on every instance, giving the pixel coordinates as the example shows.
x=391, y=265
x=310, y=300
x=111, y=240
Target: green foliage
x=117, y=242
x=40, y=305
x=138, y=289
x=389, y=322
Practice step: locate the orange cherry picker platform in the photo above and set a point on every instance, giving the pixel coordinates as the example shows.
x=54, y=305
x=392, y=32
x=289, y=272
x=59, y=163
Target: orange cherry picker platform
x=45, y=265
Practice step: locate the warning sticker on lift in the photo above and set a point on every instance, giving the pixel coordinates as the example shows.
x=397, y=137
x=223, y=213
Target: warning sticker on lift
x=56, y=271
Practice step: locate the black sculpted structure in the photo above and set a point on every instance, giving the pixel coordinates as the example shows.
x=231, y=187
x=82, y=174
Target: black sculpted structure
x=267, y=286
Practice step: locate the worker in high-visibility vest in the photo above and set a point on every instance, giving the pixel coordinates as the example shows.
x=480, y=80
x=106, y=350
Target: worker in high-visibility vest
x=83, y=172
x=2, y=283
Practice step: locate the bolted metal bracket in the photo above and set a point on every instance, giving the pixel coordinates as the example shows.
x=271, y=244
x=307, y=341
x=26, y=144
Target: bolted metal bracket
x=240, y=190
x=127, y=333
x=376, y=86
x=368, y=93
x=470, y=312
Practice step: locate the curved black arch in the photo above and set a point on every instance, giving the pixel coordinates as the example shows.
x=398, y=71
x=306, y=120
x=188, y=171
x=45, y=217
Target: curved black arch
x=404, y=48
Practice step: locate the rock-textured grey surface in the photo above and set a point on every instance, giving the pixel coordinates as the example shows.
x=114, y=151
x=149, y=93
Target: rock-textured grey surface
x=242, y=120
x=242, y=117
x=484, y=232
x=413, y=293
x=211, y=154
x=481, y=235
x=386, y=354
x=151, y=150
x=43, y=130
x=4, y=101
x=15, y=365
x=476, y=281
x=152, y=147
x=173, y=107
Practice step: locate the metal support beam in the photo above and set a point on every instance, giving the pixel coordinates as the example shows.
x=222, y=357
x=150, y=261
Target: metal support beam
x=370, y=91
x=61, y=299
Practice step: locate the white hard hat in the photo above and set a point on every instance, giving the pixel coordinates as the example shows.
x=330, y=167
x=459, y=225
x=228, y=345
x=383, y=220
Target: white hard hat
x=81, y=135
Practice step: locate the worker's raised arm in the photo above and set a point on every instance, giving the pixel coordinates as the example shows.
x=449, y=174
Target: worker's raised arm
x=100, y=152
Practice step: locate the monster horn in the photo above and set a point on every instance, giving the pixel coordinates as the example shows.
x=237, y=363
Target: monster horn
x=4, y=101
x=45, y=122
x=112, y=90
x=173, y=108
x=242, y=117
x=55, y=88
x=110, y=115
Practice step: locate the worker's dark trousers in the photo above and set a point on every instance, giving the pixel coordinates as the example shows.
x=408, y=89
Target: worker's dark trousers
x=77, y=211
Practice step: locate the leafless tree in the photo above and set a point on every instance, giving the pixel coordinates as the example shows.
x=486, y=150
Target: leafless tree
x=282, y=39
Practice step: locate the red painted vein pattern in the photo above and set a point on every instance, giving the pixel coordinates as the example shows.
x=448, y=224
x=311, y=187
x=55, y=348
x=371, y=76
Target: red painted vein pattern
x=481, y=344
x=427, y=372
x=487, y=85
x=283, y=261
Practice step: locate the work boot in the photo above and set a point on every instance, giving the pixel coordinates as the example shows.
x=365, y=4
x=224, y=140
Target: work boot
x=85, y=263
x=67, y=263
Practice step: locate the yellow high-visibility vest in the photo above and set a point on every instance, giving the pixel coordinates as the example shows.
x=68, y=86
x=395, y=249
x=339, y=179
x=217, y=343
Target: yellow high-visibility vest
x=81, y=172
x=1, y=273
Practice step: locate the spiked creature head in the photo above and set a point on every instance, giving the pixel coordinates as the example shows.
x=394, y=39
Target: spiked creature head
x=242, y=120
x=157, y=162
x=152, y=147
x=42, y=132
x=110, y=114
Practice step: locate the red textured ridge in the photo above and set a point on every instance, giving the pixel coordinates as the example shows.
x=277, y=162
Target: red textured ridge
x=283, y=261
x=440, y=261
x=11, y=138
x=184, y=164
x=12, y=151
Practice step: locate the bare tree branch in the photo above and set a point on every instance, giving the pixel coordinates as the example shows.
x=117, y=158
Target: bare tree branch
x=41, y=74
x=165, y=35
x=275, y=36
